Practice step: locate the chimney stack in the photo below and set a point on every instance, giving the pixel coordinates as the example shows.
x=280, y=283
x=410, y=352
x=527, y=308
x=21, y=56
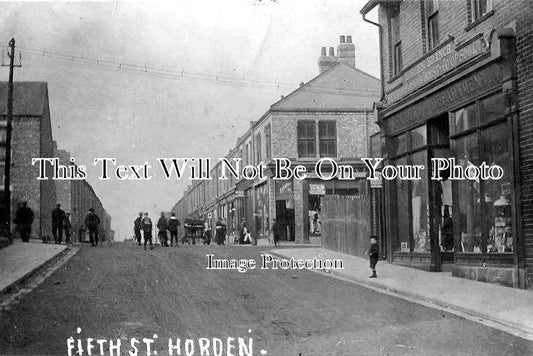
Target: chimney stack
x=346, y=51
x=345, y=54
x=324, y=61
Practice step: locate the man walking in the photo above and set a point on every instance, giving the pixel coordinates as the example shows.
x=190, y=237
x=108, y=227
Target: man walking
x=173, y=224
x=24, y=219
x=146, y=226
x=276, y=231
x=162, y=227
x=67, y=227
x=58, y=216
x=137, y=228
x=92, y=221
x=220, y=231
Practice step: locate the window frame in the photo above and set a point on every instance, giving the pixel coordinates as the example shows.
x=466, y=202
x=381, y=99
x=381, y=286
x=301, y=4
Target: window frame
x=432, y=17
x=329, y=139
x=310, y=139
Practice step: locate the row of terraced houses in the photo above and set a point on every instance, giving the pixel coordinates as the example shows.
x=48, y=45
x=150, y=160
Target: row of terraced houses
x=456, y=82
x=31, y=138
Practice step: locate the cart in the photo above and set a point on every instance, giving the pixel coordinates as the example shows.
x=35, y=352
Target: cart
x=194, y=229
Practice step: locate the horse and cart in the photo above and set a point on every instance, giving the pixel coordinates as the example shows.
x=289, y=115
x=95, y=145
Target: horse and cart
x=194, y=229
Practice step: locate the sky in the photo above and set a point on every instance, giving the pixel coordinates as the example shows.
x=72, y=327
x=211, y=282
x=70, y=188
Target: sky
x=103, y=104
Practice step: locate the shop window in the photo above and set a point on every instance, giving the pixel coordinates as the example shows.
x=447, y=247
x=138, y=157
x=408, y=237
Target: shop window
x=418, y=137
x=306, y=139
x=432, y=23
x=398, y=144
x=493, y=107
x=464, y=119
x=484, y=206
x=419, y=207
x=496, y=151
x=327, y=137
x=402, y=190
x=479, y=8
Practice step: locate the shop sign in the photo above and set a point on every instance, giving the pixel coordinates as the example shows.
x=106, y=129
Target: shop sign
x=446, y=99
x=440, y=62
x=284, y=190
x=377, y=182
x=317, y=189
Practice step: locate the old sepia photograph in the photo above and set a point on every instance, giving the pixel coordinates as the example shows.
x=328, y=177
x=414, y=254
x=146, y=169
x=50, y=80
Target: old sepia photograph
x=266, y=177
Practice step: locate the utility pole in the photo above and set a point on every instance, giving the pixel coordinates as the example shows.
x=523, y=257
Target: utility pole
x=9, y=129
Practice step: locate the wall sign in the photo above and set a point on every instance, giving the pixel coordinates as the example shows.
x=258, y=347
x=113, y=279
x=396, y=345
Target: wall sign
x=438, y=63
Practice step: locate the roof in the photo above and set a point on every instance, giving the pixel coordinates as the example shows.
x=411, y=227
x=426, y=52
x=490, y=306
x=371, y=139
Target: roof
x=340, y=88
x=29, y=98
x=373, y=3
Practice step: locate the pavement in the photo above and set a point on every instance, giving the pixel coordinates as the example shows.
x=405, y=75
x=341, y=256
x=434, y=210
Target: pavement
x=503, y=308
x=20, y=260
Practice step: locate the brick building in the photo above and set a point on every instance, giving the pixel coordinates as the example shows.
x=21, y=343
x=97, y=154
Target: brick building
x=31, y=137
x=327, y=117
x=457, y=81
x=77, y=197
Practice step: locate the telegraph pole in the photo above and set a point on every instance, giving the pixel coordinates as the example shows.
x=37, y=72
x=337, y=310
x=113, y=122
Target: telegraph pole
x=9, y=129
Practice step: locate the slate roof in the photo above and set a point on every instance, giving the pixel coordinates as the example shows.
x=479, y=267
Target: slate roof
x=29, y=98
x=341, y=87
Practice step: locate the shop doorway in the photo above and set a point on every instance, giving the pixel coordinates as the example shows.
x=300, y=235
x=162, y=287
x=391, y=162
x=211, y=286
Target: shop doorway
x=285, y=217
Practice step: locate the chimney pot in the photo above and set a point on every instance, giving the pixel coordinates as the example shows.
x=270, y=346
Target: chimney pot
x=283, y=97
x=323, y=52
x=301, y=84
x=348, y=39
x=331, y=52
x=342, y=39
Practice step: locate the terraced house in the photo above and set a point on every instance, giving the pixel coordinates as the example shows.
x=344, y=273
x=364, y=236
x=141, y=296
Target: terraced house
x=329, y=116
x=457, y=81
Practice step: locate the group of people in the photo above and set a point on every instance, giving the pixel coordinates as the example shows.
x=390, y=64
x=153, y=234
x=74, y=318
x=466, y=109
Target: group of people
x=61, y=223
x=143, y=224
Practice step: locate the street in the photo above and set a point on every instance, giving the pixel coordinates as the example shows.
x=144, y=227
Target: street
x=123, y=292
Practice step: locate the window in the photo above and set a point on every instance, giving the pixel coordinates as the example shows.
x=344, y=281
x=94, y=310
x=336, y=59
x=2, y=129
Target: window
x=327, y=137
x=484, y=207
x=394, y=28
x=306, y=139
x=267, y=139
x=479, y=8
x=432, y=23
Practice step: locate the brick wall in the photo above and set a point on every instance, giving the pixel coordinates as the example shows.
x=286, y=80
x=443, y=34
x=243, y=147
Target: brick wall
x=48, y=189
x=524, y=44
x=352, y=131
x=25, y=186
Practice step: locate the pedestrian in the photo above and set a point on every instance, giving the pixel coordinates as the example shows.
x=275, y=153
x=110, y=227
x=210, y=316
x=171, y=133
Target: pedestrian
x=247, y=239
x=373, y=253
x=23, y=219
x=58, y=216
x=173, y=224
x=162, y=227
x=137, y=228
x=67, y=227
x=207, y=233
x=81, y=233
x=276, y=230
x=146, y=226
x=92, y=221
x=220, y=231
x=242, y=227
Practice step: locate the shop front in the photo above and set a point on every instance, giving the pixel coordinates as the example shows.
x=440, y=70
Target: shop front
x=447, y=219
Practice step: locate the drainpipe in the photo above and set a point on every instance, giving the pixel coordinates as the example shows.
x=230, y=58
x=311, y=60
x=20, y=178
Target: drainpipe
x=380, y=54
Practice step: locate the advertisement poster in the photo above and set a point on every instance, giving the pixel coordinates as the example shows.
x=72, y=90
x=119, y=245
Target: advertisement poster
x=266, y=177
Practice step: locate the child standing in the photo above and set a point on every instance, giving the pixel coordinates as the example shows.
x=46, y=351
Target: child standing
x=373, y=253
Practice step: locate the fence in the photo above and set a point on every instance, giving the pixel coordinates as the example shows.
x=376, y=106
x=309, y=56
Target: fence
x=346, y=223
